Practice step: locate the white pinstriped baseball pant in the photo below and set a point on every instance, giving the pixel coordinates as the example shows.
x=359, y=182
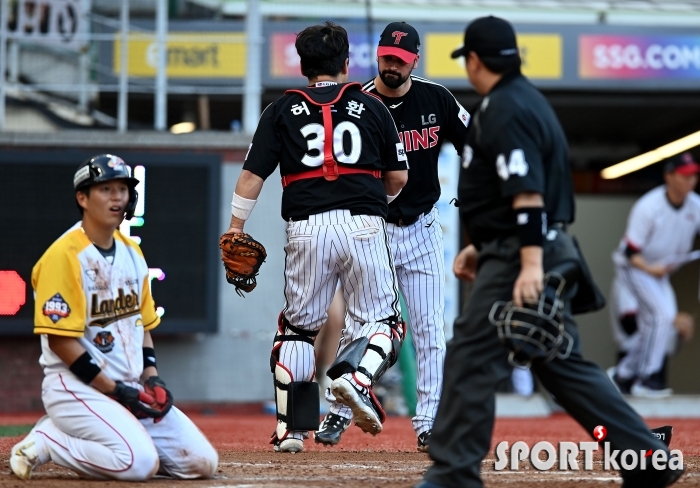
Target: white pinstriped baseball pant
x=419, y=258
x=324, y=250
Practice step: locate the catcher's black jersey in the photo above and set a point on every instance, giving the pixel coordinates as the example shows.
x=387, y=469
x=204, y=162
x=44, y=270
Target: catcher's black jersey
x=291, y=133
x=425, y=116
x=515, y=144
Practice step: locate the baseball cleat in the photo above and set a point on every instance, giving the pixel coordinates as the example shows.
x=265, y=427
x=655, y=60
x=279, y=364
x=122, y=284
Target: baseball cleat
x=663, y=434
x=289, y=445
x=331, y=429
x=363, y=412
x=623, y=385
x=24, y=456
x=424, y=440
x=649, y=389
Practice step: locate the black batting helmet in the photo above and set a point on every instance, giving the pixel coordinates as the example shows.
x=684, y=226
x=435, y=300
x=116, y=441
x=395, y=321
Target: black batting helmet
x=106, y=167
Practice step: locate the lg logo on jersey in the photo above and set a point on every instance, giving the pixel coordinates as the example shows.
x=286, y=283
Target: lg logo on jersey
x=516, y=164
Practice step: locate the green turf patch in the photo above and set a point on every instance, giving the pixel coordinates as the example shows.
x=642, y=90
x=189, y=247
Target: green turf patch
x=14, y=430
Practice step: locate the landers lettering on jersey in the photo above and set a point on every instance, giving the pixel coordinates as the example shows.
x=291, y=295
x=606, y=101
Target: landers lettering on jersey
x=104, y=341
x=414, y=140
x=104, y=312
x=56, y=308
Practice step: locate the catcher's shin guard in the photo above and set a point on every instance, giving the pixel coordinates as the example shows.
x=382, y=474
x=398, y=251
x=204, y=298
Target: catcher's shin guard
x=370, y=356
x=298, y=403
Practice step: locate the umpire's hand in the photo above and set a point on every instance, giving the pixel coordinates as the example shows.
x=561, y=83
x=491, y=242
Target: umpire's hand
x=464, y=266
x=528, y=286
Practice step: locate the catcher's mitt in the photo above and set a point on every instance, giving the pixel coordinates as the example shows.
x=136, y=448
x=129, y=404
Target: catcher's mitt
x=242, y=256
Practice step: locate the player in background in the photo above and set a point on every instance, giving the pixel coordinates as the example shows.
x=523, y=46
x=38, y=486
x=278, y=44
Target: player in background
x=623, y=320
x=341, y=161
x=425, y=114
x=662, y=224
x=94, y=312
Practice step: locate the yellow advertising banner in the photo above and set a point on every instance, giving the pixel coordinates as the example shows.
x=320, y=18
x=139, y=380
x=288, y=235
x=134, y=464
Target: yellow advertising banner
x=190, y=55
x=542, y=56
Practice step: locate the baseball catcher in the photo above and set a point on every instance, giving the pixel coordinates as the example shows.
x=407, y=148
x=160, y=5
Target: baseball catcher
x=242, y=256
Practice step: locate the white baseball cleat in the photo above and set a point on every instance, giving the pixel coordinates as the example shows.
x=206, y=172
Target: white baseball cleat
x=363, y=412
x=24, y=456
x=289, y=445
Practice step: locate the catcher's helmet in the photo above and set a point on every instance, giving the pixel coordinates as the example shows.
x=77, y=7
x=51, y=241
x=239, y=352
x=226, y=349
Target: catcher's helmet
x=106, y=167
x=535, y=331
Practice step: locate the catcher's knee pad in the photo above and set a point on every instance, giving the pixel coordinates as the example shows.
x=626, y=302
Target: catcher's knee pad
x=371, y=356
x=298, y=403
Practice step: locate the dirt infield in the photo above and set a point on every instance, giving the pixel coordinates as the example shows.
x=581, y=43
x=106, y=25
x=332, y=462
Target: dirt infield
x=389, y=460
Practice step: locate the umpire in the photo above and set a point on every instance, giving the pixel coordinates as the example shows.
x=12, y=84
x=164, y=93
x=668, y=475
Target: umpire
x=516, y=199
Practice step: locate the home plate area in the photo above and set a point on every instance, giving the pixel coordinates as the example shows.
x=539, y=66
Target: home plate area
x=389, y=460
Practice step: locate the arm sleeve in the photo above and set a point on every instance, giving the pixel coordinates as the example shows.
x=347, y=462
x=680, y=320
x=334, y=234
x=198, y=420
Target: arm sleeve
x=59, y=301
x=393, y=152
x=457, y=122
x=518, y=157
x=263, y=153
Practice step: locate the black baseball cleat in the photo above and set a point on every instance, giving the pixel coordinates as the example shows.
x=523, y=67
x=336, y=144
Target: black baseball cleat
x=364, y=413
x=663, y=434
x=331, y=429
x=424, y=440
x=624, y=386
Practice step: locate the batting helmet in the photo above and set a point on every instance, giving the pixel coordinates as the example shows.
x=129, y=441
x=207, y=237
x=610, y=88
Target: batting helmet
x=106, y=167
x=534, y=331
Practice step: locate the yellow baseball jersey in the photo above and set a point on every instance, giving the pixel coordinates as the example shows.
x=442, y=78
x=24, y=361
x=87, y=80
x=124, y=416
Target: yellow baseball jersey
x=105, y=306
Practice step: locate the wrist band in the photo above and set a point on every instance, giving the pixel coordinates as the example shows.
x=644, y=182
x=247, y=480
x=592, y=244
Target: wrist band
x=532, y=225
x=85, y=368
x=241, y=207
x=391, y=198
x=149, y=357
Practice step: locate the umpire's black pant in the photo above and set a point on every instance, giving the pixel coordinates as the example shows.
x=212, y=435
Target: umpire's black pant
x=476, y=362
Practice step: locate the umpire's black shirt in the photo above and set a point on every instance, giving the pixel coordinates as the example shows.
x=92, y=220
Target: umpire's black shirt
x=515, y=144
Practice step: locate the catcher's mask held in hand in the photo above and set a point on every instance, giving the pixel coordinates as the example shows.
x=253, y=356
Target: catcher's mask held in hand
x=534, y=331
x=242, y=256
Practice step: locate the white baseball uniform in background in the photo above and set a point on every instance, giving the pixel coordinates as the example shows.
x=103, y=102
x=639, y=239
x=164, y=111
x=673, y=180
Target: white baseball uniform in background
x=106, y=307
x=657, y=230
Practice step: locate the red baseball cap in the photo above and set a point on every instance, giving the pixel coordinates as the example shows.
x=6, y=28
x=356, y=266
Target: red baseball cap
x=683, y=164
x=401, y=40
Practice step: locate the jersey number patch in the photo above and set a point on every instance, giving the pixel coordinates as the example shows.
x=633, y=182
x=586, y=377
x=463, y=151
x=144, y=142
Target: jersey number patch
x=318, y=138
x=516, y=164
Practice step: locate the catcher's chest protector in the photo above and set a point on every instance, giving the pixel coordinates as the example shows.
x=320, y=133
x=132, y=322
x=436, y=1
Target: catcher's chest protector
x=330, y=169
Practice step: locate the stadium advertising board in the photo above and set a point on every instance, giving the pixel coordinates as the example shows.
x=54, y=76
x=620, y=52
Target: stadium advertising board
x=542, y=55
x=190, y=55
x=639, y=57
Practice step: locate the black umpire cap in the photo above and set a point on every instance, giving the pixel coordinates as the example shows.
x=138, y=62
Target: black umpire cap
x=489, y=37
x=401, y=40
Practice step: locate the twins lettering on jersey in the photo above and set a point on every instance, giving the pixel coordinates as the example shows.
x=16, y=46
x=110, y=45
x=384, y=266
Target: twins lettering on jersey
x=56, y=308
x=105, y=312
x=414, y=140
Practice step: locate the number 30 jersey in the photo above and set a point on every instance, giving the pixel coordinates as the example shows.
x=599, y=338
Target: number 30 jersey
x=105, y=306
x=291, y=133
